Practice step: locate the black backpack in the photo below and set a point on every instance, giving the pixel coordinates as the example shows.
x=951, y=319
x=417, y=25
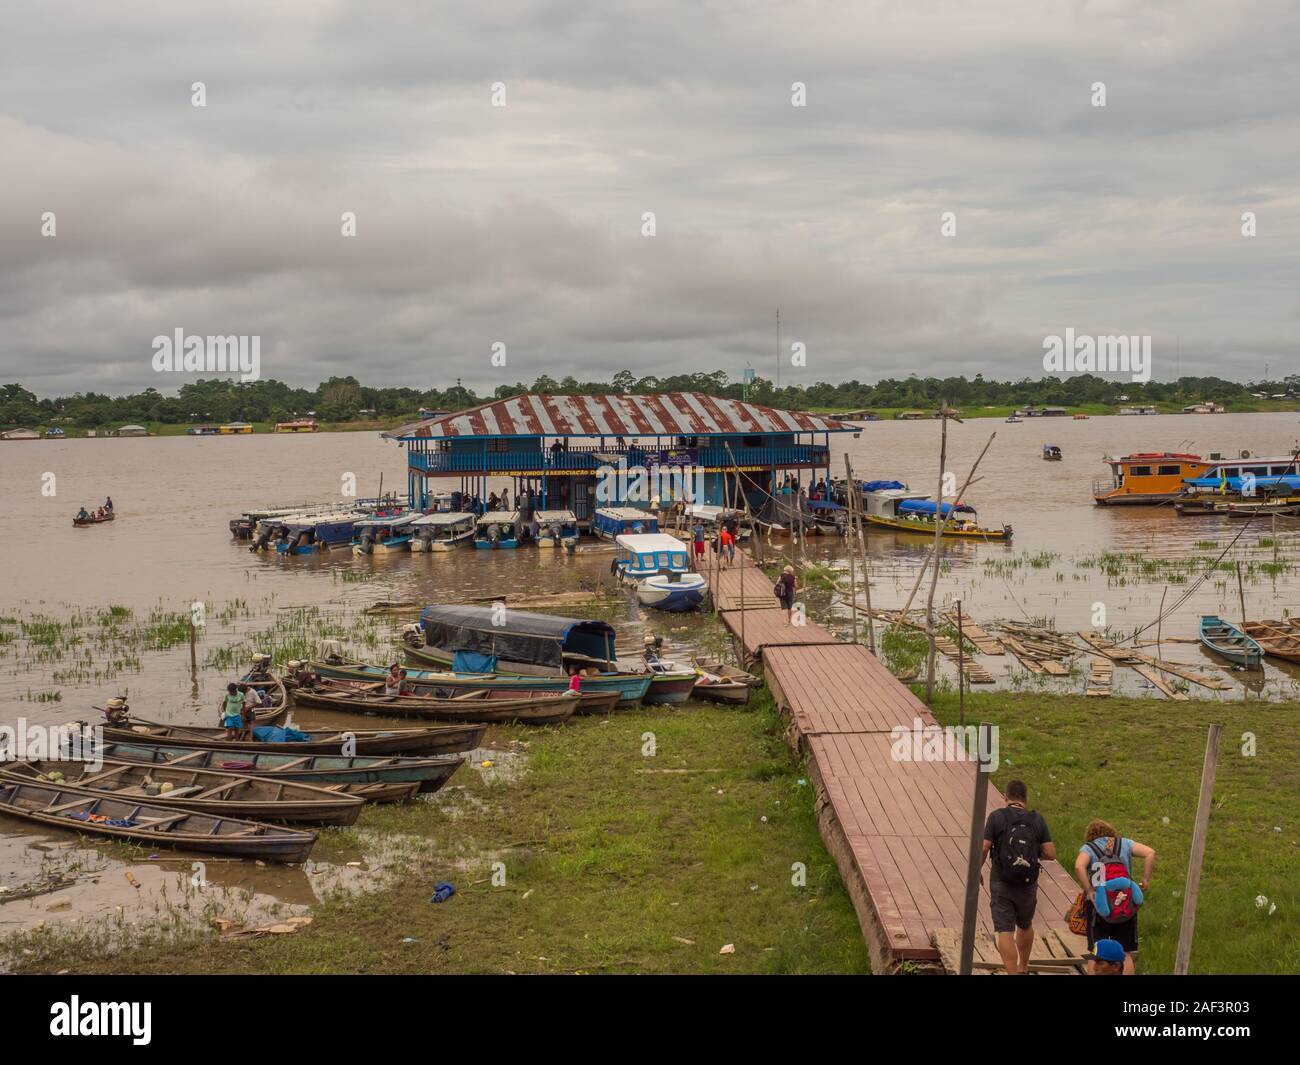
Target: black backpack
x=1018, y=847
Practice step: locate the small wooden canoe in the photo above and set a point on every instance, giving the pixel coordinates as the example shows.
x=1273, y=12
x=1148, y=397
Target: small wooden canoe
x=274, y=687
x=151, y=824
x=92, y=520
x=1228, y=641
x=422, y=682
x=1277, y=642
x=432, y=739
x=721, y=682
x=203, y=790
x=536, y=708
x=324, y=770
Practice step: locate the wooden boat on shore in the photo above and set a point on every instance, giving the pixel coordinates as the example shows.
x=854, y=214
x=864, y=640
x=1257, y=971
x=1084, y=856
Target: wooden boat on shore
x=445, y=686
x=720, y=682
x=353, y=773
x=1275, y=639
x=1228, y=641
x=202, y=790
x=535, y=708
x=431, y=739
x=151, y=824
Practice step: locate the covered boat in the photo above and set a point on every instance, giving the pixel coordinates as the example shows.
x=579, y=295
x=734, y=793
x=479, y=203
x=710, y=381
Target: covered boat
x=556, y=528
x=379, y=536
x=442, y=531
x=483, y=639
x=497, y=528
x=1052, y=453
x=903, y=510
x=658, y=566
x=1148, y=477
x=611, y=522
x=305, y=534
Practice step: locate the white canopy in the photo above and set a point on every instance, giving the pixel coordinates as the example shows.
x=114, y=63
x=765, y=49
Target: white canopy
x=444, y=517
x=645, y=543
x=546, y=517
x=499, y=517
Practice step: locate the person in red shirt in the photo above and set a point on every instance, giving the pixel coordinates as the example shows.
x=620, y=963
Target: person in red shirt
x=726, y=547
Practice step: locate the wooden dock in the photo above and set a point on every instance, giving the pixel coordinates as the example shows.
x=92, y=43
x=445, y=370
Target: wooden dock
x=898, y=829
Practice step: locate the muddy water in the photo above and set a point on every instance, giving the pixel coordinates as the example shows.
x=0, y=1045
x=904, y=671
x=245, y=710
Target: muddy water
x=170, y=547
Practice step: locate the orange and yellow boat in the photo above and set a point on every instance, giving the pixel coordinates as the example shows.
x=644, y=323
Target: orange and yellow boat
x=1148, y=478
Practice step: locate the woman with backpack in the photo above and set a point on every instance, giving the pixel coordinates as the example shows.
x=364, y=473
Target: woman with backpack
x=1112, y=898
x=784, y=590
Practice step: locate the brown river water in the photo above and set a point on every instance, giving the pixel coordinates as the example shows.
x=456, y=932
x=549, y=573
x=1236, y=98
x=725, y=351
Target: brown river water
x=170, y=547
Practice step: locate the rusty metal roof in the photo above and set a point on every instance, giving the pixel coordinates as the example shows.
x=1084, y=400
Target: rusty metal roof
x=667, y=414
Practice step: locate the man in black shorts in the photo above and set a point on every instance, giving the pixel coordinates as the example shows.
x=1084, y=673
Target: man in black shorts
x=1017, y=839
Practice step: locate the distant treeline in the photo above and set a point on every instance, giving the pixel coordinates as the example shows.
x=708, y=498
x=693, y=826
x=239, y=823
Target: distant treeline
x=344, y=399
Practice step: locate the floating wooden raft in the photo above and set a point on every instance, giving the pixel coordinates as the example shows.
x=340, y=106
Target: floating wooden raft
x=1100, y=677
x=984, y=643
x=1051, y=954
x=1150, y=668
x=975, y=673
x=1034, y=659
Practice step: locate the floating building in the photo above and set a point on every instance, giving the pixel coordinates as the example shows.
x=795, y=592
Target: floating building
x=580, y=452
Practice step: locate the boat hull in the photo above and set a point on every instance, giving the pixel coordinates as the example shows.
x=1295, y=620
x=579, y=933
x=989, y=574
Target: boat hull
x=497, y=707
x=1229, y=642
x=926, y=528
x=429, y=740
x=670, y=688
x=630, y=686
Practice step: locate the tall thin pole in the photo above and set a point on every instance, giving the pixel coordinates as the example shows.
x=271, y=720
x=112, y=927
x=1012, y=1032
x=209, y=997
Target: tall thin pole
x=778, y=349
x=1183, y=956
x=975, y=855
x=938, y=556
x=853, y=550
x=961, y=672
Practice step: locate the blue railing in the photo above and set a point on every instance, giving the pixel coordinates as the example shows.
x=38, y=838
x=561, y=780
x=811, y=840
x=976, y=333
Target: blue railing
x=579, y=460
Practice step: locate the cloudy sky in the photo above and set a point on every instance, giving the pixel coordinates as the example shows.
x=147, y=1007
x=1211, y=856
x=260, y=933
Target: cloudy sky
x=523, y=224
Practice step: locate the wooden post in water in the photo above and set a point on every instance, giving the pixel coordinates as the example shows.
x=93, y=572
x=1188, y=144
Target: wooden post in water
x=1183, y=957
x=1241, y=597
x=938, y=555
x=194, y=660
x=1160, y=618
x=975, y=856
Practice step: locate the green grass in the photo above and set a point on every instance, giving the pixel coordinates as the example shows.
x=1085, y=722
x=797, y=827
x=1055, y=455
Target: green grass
x=611, y=859
x=1137, y=763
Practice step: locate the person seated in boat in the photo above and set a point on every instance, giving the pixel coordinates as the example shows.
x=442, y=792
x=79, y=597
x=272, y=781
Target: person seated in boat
x=575, y=681
x=232, y=711
x=116, y=712
x=83, y=514
x=394, y=680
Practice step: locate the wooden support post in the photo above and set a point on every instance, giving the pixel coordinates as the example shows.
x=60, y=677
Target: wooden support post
x=853, y=550
x=194, y=660
x=961, y=672
x=975, y=858
x=939, y=523
x=1183, y=957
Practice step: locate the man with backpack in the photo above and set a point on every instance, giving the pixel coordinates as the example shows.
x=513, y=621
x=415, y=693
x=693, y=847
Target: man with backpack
x=1018, y=840
x=1112, y=898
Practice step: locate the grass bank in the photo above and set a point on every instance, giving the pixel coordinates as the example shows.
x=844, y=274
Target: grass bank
x=615, y=861
x=1137, y=763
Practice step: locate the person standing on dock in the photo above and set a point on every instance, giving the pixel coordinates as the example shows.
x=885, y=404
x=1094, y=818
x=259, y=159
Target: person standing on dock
x=1104, y=869
x=1018, y=840
x=697, y=539
x=787, y=583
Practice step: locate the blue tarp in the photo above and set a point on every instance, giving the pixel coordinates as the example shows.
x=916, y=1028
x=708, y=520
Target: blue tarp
x=928, y=507
x=275, y=734
x=1234, y=484
x=473, y=662
x=876, y=486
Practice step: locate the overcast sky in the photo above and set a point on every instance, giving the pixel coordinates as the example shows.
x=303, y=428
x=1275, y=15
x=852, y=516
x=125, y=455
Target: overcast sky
x=523, y=224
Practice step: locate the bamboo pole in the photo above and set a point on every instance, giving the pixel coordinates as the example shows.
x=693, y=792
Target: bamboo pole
x=1186, y=928
x=932, y=650
x=853, y=549
x=961, y=672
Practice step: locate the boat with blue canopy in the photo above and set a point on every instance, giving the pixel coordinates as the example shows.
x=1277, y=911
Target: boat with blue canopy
x=903, y=510
x=658, y=567
x=486, y=639
x=609, y=523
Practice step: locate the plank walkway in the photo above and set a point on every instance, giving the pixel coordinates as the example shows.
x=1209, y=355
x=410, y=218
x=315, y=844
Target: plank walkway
x=897, y=828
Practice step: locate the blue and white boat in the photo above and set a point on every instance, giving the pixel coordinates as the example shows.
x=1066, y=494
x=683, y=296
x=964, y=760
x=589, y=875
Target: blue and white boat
x=556, y=528
x=611, y=522
x=497, y=528
x=443, y=530
x=381, y=536
x=658, y=566
x=308, y=534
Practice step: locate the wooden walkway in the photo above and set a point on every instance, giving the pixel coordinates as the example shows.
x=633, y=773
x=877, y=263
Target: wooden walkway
x=898, y=829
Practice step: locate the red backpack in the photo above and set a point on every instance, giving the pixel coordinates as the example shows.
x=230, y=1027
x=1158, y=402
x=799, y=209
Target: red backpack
x=1123, y=896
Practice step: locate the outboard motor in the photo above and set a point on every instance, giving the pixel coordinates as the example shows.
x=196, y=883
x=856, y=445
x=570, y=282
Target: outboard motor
x=367, y=542
x=262, y=539
x=261, y=665
x=424, y=542
x=413, y=635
